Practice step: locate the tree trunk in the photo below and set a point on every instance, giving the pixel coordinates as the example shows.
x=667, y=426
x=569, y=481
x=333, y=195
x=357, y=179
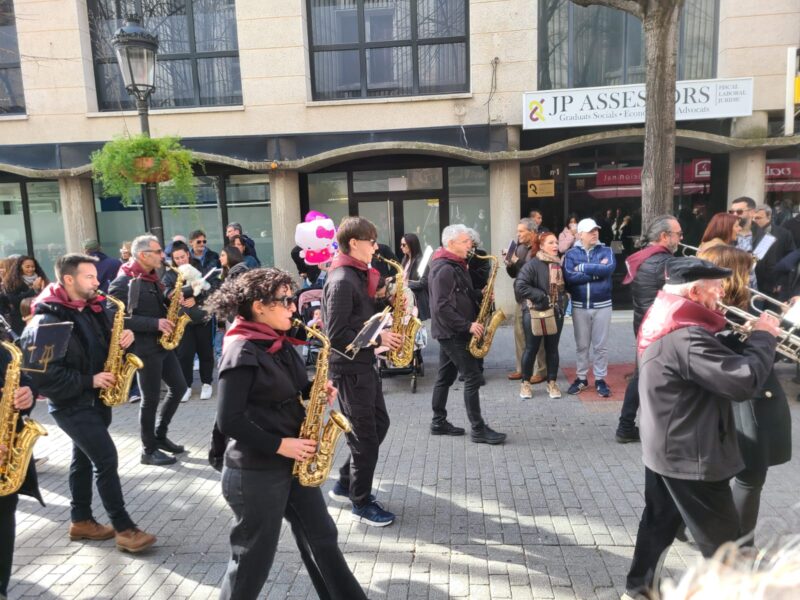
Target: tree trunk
x=658, y=173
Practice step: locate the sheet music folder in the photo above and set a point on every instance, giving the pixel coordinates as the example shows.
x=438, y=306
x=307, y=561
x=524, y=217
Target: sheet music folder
x=49, y=343
x=369, y=333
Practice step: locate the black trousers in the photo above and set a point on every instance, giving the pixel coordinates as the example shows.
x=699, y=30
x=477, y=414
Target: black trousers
x=197, y=339
x=747, y=486
x=8, y=529
x=157, y=367
x=93, y=450
x=260, y=499
x=630, y=406
x=532, y=343
x=361, y=401
x=706, y=507
x=454, y=358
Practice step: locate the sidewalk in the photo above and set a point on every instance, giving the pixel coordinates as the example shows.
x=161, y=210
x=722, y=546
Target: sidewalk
x=550, y=514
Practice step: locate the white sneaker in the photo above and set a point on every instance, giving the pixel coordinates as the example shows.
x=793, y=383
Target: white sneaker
x=206, y=392
x=187, y=395
x=552, y=390
x=525, y=391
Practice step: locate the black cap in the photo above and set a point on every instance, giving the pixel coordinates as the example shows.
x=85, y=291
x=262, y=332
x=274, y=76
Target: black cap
x=688, y=269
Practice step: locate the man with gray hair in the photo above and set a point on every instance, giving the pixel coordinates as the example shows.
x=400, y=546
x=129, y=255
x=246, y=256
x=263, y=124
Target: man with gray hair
x=646, y=277
x=139, y=287
x=454, y=309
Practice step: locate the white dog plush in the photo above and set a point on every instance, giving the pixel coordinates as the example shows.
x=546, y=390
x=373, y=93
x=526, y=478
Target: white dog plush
x=194, y=278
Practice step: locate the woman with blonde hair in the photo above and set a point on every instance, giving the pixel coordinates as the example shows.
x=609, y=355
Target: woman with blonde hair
x=763, y=424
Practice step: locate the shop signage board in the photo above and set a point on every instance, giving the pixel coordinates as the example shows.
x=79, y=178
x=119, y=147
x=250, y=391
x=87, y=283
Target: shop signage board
x=625, y=104
x=541, y=188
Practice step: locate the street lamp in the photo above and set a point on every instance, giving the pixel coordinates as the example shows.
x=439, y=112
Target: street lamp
x=136, y=50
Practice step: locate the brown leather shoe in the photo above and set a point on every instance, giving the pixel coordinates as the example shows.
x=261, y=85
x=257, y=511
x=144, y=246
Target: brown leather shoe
x=538, y=378
x=90, y=530
x=515, y=376
x=134, y=540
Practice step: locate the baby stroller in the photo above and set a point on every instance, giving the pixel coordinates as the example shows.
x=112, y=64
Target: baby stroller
x=307, y=302
x=416, y=368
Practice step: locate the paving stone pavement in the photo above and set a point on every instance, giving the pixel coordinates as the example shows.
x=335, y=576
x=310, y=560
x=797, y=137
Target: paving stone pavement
x=551, y=514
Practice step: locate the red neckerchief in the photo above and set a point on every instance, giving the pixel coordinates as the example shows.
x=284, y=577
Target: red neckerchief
x=133, y=269
x=636, y=260
x=345, y=260
x=670, y=313
x=445, y=254
x=56, y=294
x=242, y=329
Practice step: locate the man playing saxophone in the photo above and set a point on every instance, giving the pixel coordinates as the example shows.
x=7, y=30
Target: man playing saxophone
x=138, y=286
x=454, y=309
x=73, y=384
x=23, y=402
x=261, y=382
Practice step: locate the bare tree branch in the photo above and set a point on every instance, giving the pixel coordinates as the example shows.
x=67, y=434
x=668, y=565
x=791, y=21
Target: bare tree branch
x=635, y=7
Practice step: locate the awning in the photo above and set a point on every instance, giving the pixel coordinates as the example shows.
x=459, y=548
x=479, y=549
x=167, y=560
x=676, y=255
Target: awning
x=635, y=191
x=783, y=186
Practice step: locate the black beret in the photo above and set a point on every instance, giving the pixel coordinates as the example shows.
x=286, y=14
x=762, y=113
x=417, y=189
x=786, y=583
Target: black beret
x=687, y=269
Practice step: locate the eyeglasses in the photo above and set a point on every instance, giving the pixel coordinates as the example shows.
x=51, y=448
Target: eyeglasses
x=286, y=301
x=200, y=241
x=737, y=211
x=159, y=251
x=371, y=242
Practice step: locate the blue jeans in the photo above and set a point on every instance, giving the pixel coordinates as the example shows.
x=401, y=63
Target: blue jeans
x=532, y=343
x=93, y=449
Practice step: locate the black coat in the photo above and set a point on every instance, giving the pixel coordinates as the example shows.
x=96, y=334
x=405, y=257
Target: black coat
x=145, y=304
x=533, y=283
x=68, y=381
x=385, y=270
x=454, y=302
x=522, y=253
x=766, y=277
x=419, y=285
x=645, y=286
x=480, y=269
x=310, y=272
x=12, y=299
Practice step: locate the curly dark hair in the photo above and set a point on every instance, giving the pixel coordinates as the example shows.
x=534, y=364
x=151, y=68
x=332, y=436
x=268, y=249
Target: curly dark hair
x=236, y=296
x=13, y=282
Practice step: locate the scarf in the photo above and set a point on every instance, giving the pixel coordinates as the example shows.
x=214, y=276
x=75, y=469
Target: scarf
x=242, y=329
x=345, y=260
x=55, y=293
x=670, y=313
x=134, y=270
x=445, y=254
x=556, y=275
x=29, y=279
x=637, y=259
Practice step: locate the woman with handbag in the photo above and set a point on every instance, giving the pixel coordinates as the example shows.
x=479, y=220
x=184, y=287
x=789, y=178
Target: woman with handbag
x=539, y=288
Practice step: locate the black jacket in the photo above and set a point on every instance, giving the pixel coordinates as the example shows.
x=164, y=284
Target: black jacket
x=68, y=380
x=533, y=283
x=385, y=270
x=645, y=286
x=11, y=306
x=522, y=253
x=766, y=277
x=480, y=269
x=454, y=302
x=419, y=285
x=310, y=272
x=145, y=304
x=346, y=306
x=259, y=402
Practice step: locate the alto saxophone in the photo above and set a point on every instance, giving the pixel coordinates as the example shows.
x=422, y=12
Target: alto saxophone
x=313, y=471
x=122, y=364
x=19, y=445
x=402, y=324
x=170, y=341
x=479, y=345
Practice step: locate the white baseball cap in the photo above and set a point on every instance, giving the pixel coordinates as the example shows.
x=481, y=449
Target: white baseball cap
x=587, y=225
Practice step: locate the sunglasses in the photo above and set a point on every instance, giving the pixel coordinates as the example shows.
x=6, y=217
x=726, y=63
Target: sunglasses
x=737, y=211
x=286, y=301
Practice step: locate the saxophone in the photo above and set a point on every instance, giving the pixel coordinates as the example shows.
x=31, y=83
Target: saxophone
x=402, y=324
x=19, y=445
x=313, y=471
x=122, y=364
x=170, y=341
x=479, y=345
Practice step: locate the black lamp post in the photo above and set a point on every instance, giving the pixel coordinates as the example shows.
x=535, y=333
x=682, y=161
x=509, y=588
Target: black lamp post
x=136, y=50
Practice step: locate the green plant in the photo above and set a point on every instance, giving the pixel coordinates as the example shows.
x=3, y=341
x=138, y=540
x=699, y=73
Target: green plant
x=118, y=167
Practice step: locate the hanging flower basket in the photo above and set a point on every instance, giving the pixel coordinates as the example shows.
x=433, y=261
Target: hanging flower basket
x=124, y=163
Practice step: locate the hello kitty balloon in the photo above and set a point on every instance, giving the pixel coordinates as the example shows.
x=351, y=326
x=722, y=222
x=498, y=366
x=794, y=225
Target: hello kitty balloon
x=317, y=240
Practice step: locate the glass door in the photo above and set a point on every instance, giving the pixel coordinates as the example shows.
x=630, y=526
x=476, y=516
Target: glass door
x=421, y=217
x=382, y=216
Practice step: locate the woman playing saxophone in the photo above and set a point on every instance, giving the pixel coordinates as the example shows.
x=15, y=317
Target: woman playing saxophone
x=261, y=382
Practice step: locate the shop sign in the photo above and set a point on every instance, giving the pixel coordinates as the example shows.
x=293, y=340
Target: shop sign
x=783, y=170
x=697, y=170
x=541, y=188
x=625, y=104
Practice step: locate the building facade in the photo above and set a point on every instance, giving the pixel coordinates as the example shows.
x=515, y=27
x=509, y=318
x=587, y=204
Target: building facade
x=408, y=112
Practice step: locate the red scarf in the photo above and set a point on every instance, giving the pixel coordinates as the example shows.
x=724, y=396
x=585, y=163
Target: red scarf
x=637, y=259
x=242, y=329
x=134, y=270
x=445, y=254
x=373, y=276
x=670, y=313
x=56, y=294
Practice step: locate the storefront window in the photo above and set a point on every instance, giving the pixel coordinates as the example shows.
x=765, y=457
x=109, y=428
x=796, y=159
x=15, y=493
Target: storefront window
x=469, y=200
x=399, y=180
x=47, y=223
x=12, y=223
x=116, y=223
x=327, y=194
x=182, y=218
x=248, y=203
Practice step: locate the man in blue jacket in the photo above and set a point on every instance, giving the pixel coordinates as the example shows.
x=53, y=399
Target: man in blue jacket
x=588, y=267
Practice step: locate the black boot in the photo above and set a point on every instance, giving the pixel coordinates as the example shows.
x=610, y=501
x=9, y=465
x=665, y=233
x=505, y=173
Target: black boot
x=164, y=443
x=486, y=435
x=157, y=458
x=446, y=428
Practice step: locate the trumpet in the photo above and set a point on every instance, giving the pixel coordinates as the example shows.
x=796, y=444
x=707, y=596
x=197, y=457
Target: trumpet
x=686, y=248
x=788, y=340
